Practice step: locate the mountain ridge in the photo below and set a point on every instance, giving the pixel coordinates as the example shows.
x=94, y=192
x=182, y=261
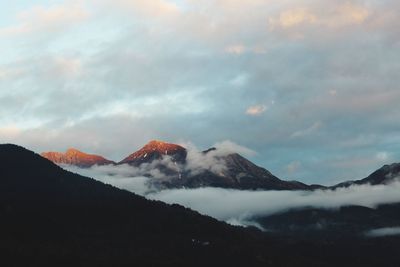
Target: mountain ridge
x=237, y=172
x=387, y=174
x=240, y=173
x=76, y=157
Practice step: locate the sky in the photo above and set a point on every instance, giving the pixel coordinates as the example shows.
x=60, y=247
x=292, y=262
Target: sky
x=311, y=86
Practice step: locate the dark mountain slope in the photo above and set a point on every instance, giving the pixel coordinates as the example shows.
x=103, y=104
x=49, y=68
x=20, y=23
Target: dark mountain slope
x=385, y=175
x=48, y=215
x=344, y=222
x=239, y=173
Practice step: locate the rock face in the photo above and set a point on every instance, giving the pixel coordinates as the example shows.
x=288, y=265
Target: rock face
x=156, y=150
x=75, y=157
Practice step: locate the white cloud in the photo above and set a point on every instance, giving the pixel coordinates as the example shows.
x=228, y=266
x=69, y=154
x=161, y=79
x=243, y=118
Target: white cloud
x=228, y=147
x=242, y=206
x=381, y=232
x=122, y=176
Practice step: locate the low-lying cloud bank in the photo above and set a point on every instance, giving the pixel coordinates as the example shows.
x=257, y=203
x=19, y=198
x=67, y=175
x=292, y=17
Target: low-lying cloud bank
x=239, y=206
x=228, y=204
x=121, y=176
x=381, y=232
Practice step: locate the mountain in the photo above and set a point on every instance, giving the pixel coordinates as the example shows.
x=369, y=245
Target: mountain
x=51, y=217
x=172, y=163
x=235, y=171
x=385, y=175
x=156, y=150
x=238, y=173
x=75, y=157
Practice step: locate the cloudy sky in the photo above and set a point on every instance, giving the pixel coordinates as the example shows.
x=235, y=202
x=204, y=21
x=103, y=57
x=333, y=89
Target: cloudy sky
x=311, y=86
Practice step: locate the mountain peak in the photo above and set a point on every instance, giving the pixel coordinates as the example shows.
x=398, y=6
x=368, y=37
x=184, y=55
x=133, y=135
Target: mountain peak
x=162, y=147
x=73, y=151
x=76, y=157
x=156, y=149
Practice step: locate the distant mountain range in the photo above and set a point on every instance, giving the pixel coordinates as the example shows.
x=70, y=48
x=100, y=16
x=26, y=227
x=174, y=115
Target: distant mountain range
x=51, y=217
x=237, y=172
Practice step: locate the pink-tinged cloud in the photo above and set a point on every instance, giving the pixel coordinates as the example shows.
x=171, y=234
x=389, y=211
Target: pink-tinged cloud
x=302, y=21
x=146, y=8
x=40, y=18
x=256, y=110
